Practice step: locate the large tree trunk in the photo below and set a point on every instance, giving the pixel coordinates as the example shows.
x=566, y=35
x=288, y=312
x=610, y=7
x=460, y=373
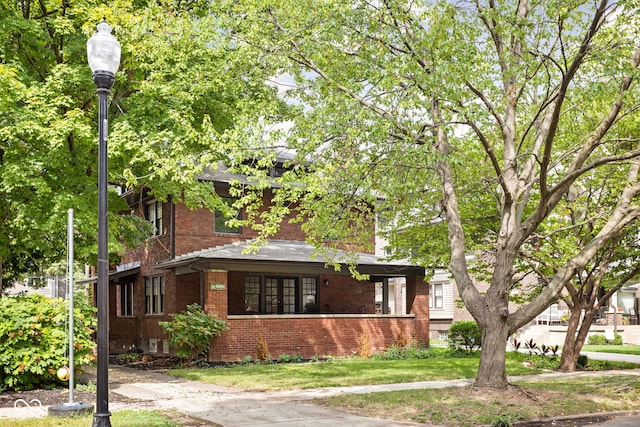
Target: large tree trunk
x=492, y=372
x=573, y=342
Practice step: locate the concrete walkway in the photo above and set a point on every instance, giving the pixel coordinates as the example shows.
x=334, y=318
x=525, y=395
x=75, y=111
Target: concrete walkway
x=230, y=407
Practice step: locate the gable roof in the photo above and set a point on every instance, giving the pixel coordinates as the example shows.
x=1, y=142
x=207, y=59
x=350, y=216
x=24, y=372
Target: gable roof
x=285, y=256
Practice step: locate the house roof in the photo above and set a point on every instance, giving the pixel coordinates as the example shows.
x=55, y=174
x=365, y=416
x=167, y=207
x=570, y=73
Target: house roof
x=286, y=256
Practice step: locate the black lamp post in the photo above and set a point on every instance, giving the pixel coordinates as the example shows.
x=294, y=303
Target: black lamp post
x=103, y=53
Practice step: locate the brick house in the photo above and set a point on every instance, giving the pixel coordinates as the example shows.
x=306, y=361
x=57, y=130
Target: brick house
x=281, y=293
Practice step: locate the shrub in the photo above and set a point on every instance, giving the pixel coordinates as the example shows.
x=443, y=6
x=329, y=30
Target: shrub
x=465, y=335
x=247, y=360
x=127, y=357
x=599, y=339
x=617, y=339
x=411, y=350
x=34, y=339
x=364, y=346
x=289, y=358
x=583, y=361
x=401, y=341
x=262, y=350
x=192, y=331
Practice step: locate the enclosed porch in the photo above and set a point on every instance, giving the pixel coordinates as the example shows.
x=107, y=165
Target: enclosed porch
x=293, y=303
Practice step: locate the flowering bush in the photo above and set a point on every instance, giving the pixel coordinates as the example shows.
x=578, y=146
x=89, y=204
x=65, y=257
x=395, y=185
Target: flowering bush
x=34, y=339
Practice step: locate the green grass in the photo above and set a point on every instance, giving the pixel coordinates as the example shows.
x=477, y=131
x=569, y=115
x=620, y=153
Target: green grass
x=346, y=372
x=621, y=349
x=355, y=371
x=126, y=418
x=528, y=401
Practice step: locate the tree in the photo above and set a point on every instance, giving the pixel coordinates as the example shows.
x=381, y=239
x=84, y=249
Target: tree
x=609, y=270
x=474, y=120
x=180, y=84
x=590, y=291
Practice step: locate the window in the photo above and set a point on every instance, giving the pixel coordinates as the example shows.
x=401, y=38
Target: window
x=252, y=294
x=154, y=295
x=436, y=296
x=220, y=220
x=309, y=295
x=124, y=300
x=154, y=216
x=280, y=295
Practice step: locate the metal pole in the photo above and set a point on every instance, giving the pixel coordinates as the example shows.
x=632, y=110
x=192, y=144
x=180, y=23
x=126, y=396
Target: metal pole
x=70, y=297
x=102, y=416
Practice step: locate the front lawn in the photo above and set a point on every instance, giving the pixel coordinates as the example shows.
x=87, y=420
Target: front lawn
x=127, y=418
x=355, y=371
x=621, y=349
x=467, y=406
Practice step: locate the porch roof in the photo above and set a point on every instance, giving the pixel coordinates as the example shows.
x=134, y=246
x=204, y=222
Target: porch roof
x=286, y=256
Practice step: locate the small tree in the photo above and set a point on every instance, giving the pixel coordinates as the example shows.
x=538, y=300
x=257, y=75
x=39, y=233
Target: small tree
x=466, y=335
x=192, y=331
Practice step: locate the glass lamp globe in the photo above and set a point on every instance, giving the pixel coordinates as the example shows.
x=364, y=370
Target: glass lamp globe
x=103, y=51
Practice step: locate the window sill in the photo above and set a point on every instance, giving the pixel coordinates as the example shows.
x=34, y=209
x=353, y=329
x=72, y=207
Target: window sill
x=316, y=316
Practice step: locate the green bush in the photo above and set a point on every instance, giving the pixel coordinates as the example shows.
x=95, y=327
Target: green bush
x=192, y=331
x=583, y=361
x=599, y=339
x=465, y=335
x=412, y=350
x=34, y=340
x=290, y=358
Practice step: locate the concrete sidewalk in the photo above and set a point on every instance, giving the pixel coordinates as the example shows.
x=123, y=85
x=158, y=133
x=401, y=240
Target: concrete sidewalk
x=235, y=408
x=230, y=407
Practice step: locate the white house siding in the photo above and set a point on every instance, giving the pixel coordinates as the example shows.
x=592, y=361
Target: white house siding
x=440, y=318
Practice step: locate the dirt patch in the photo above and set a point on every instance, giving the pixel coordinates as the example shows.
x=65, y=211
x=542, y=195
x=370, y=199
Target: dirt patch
x=56, y=396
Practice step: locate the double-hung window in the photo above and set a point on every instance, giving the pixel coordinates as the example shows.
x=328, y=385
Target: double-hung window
x=124, y=300
x=154, y=295
x=221, y=217
x=154, y=216
x=436, y=296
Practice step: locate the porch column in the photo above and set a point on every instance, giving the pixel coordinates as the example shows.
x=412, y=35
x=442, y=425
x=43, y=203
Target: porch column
x=418, y=305
x=216, y=299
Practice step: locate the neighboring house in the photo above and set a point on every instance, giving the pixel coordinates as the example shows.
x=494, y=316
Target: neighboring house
x=626, y=302
x=442, y=297
x=281, y=293
x=49, y=286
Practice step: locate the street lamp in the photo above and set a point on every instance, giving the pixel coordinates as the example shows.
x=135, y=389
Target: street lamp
x=103, y=54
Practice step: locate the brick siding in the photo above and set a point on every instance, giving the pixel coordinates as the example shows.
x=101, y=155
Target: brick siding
x=309, y=336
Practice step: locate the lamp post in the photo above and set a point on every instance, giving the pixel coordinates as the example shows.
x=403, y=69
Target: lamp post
x=103, y=54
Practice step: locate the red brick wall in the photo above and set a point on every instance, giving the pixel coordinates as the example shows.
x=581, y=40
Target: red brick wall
x=194, y=230
x=308, y=336
x=343, y=294
x=418, y=304
x=187, y=292
x=216, y=295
